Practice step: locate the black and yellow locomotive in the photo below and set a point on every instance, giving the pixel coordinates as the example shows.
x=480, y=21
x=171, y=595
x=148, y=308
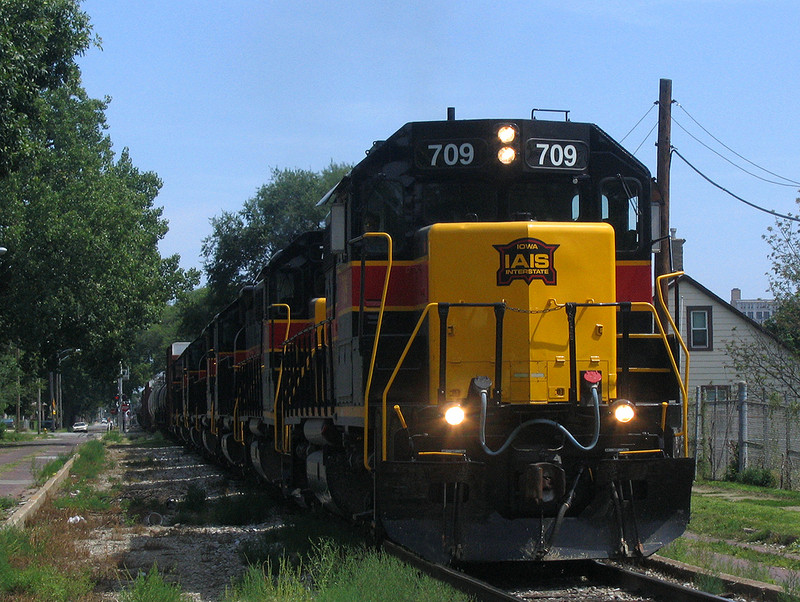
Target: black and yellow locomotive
x=468, y=354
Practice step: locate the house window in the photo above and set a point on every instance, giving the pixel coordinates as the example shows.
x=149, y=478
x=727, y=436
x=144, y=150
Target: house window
x=716, y=392
x=699, y=328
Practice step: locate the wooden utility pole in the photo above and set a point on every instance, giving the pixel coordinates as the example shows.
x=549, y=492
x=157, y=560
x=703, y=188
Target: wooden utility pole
x=663, y=264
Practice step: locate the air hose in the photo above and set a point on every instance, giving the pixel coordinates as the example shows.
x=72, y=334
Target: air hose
x=595, y=400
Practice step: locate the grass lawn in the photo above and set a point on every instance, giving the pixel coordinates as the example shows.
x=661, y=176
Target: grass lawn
x=744, y=530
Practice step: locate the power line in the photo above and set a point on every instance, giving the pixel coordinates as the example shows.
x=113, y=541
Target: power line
x=638, y=122
x=737, y=197
x=655, y=125
x=791, y=182
x=724, y=158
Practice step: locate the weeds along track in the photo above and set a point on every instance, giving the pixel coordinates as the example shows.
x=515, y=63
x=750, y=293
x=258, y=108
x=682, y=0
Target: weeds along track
x=160, y=505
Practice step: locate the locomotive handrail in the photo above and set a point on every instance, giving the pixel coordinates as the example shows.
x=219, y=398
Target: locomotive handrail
x=280, y=371
x=644, y=306
x=685, y=385
x=682, y=382
x=442, y=359
x=236, y=429
x=393, y=376
x=377, y=331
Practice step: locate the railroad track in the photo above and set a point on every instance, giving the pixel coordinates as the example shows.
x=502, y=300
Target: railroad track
x=586, y=581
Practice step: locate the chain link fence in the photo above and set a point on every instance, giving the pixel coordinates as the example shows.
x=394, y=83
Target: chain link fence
x=736, y=430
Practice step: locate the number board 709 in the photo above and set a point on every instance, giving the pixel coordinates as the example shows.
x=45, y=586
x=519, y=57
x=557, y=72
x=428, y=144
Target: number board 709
x=448, y=154
x=559, y=155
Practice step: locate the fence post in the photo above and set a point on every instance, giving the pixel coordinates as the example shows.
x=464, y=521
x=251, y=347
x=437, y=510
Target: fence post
x=742, y=389
x=698, y=445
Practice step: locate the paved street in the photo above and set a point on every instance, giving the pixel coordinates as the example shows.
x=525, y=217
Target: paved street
x=18, y=460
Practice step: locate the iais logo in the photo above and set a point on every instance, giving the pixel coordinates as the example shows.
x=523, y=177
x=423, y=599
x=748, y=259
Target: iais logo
x=526, y=259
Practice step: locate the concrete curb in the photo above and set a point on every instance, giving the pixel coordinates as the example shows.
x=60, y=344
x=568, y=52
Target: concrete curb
x=754, y=590
x=23, y=514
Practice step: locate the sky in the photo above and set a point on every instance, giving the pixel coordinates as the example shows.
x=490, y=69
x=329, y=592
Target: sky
x=212, y=96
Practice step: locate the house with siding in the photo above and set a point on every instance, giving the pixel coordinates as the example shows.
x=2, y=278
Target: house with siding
x=766, y=423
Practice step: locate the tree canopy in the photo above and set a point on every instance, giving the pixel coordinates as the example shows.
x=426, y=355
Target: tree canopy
x=80, y=224
x=784, y=240
x=242, y=242
x=83, y=267
x=776, y=368
x=39, y=40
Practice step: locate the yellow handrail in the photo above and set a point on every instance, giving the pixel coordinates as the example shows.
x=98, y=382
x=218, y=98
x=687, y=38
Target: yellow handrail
x=394, y=375
x=236, y=423
x=280, y=371
x=685, y=385
x=377, y=338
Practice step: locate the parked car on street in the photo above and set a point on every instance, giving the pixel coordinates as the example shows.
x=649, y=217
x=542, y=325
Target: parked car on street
x=80, y=426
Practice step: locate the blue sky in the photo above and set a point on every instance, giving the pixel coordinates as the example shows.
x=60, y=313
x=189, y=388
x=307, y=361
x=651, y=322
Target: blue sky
x=213, y=95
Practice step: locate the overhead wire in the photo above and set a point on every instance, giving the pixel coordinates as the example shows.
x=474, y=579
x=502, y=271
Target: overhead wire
x=724, y=158
x=729, y=148
x=737, y=197
x=788, y=182
x=646, y=137
x=638, y=122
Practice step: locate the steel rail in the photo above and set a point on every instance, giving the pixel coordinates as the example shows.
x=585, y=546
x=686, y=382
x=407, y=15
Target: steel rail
x=600, y=572
x=471, y=586
x=646, y=585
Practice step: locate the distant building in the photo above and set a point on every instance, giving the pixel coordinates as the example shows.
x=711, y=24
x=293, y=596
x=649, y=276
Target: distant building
x=757, y=310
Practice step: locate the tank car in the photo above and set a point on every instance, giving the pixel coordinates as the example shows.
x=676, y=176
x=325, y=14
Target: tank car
x=468, y=355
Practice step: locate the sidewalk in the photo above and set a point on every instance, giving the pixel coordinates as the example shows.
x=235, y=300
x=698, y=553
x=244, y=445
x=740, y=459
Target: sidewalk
x=19, y=461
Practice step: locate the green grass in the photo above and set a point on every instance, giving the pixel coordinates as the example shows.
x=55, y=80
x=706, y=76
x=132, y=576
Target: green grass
x=6, y=503
x=296, y=536
x=82, y=495
x=84, y=498
x=156, y=439
x=758, y=519
x=91, y=460
x=15, y=437
x=48, y=470
x=331, y=573
x=734, y=512
x=113, y=437
x=151, y=587
x=26, y=569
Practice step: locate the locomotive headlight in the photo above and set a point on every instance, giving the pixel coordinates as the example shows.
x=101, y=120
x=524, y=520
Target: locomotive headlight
x=506, y=155
x=507, y=134
x=623, y=410
x=454, y=415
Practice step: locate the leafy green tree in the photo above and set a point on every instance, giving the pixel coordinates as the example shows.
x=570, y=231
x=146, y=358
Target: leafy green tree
x=183, y=320
x=83, y=267
x=39, y=40
x=772, y=366
x=242, y=242
x=784, y=240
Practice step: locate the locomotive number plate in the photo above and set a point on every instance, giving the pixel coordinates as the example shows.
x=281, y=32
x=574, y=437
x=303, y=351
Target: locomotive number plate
x=560, y=155
x=449, y=154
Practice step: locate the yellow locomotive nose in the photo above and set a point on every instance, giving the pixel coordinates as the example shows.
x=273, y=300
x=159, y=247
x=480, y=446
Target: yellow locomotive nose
x=535, y=269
